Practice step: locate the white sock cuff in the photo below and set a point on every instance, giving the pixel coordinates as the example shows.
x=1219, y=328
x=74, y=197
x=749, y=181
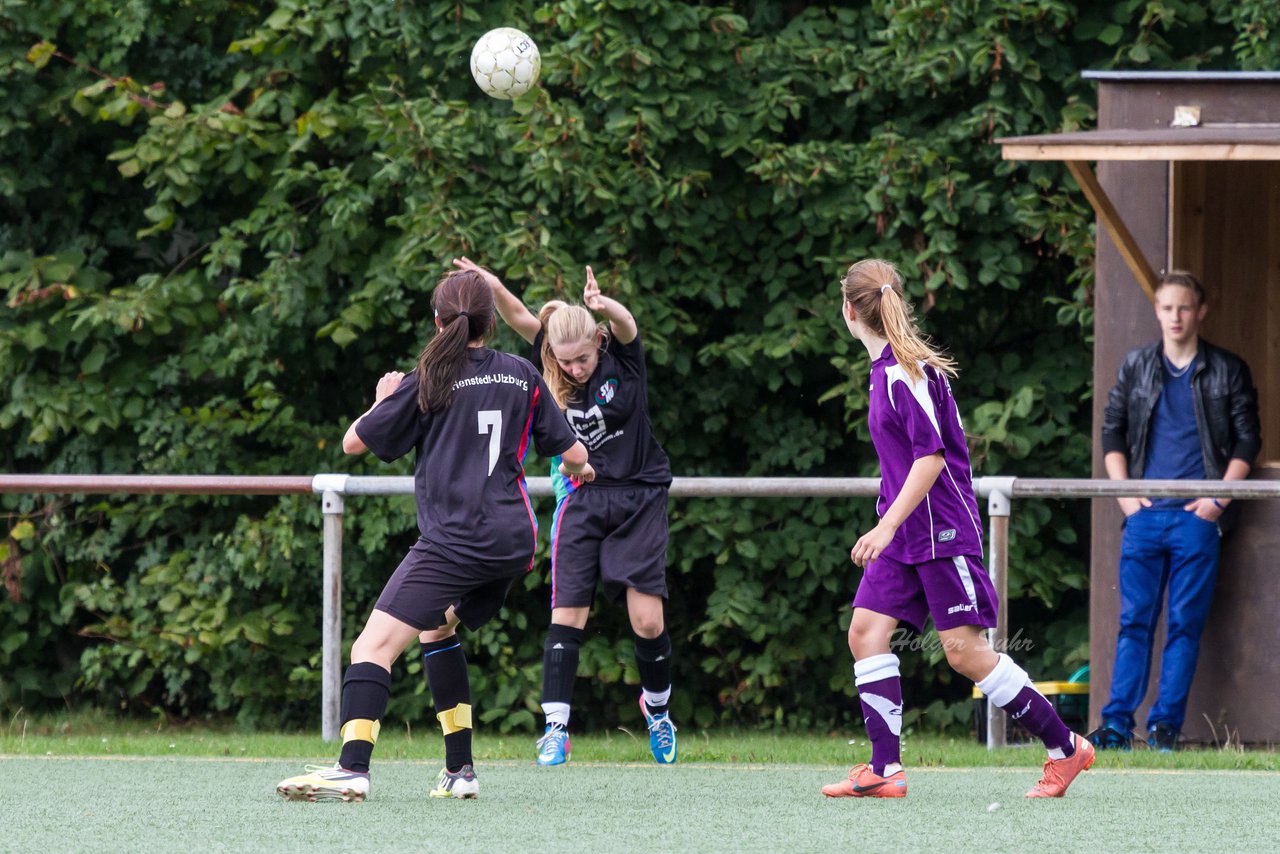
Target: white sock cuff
x=656, y=698
x=557, y=713
x=1004, y=683
x=875, y=668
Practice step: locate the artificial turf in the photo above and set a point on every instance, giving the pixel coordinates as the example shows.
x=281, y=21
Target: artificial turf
x=157, y=804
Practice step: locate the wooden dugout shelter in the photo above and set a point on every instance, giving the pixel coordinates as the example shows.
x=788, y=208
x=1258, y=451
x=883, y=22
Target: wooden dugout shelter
x=1203, y=197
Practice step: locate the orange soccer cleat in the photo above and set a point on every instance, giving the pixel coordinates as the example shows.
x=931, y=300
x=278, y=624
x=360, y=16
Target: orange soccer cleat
x=1058, y=773
x=865, y=783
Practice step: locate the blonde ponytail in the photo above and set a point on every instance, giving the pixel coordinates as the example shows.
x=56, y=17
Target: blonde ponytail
x=874, y=288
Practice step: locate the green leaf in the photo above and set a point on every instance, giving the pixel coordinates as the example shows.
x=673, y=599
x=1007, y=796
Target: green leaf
x=93, y=362
x=12, y=642
x=1111, y=35
x=40, y=53
x=280, y=18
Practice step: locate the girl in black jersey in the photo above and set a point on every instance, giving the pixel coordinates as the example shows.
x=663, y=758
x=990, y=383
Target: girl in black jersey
x=614, y=531
x=469, y=413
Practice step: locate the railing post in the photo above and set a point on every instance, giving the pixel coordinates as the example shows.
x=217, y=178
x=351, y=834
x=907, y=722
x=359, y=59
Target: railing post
x=331, y=487
x=999, y=508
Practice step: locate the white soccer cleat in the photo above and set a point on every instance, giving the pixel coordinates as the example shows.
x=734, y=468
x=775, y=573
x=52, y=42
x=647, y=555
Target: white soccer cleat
x=456, y=784
x=325, y=783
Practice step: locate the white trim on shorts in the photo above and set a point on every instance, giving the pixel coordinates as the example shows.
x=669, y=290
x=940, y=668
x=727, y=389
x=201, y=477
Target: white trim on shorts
x=966, y=578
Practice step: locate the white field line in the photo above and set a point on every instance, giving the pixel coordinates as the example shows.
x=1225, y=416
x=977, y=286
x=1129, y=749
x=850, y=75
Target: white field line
x=707, y=766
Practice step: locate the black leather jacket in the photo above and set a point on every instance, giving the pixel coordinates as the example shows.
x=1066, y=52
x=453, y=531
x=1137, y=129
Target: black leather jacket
x=1226, y=406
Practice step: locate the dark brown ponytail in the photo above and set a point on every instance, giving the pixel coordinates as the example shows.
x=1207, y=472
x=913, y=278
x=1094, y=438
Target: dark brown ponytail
x=463, y=304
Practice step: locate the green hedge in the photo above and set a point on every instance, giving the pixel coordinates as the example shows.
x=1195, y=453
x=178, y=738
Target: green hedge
x=223, y=220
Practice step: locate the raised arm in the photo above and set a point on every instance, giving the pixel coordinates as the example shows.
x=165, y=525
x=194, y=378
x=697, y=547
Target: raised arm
x=513, y=311
x=621, y=324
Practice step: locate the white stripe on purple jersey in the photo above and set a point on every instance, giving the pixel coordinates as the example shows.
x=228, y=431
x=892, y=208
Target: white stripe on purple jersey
x=910, y=420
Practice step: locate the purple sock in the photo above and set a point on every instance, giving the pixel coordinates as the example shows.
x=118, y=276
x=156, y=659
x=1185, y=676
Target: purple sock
x=1009, y=687
x=880, y=693
x=1037, y=716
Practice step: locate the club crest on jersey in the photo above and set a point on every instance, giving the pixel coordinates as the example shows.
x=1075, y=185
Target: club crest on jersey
x=588, y=426
x=605, y=393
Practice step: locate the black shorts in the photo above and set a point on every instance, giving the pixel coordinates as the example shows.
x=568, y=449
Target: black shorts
x=616, y=535
x=427, y=582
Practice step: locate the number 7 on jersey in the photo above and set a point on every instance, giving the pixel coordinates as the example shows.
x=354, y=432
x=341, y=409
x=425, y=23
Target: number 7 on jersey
x=491, y=423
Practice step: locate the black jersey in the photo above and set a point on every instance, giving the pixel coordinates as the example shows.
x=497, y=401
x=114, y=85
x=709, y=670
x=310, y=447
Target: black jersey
x=610, y=416
x=469, y=476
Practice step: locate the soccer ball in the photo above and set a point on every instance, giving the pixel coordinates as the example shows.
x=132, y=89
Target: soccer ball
x=505, y=63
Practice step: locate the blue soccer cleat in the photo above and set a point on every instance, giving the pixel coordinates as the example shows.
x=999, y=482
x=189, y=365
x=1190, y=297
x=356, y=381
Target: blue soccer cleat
x=662, y=735
x=553, y=747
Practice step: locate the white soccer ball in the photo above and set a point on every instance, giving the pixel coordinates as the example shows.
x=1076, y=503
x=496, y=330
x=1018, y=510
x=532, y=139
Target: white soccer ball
x=505, y=63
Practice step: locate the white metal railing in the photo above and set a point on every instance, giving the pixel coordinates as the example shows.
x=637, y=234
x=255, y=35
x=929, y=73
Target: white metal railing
x=999, y=492
x=334, y=488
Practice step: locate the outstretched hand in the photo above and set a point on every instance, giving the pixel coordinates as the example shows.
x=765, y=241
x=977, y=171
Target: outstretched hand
x=591, y=296
x=467, y=265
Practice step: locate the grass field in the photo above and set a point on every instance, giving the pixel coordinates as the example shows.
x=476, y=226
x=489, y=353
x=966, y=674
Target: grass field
x=155, y=805
x=84, y=784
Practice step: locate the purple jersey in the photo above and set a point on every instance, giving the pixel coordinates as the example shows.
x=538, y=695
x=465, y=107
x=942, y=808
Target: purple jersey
x=913, y=420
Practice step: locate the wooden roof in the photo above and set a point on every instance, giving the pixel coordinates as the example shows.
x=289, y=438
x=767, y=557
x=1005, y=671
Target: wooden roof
x=1206, y=142
x=1149, y=76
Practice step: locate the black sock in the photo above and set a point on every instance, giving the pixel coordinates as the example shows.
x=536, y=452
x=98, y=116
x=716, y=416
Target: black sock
x=446, y=667
x=653, y=660
x=560, y=663
x=366, y=688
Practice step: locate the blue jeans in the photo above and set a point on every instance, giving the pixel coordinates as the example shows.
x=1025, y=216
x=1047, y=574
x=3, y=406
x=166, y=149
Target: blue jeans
x=1161, y=548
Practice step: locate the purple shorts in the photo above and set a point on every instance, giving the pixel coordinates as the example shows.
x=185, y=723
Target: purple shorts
x=956, y=590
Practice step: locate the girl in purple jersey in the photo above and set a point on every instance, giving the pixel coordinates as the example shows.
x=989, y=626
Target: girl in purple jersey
x=924, y=557
x=469, y=414
x=612, y=533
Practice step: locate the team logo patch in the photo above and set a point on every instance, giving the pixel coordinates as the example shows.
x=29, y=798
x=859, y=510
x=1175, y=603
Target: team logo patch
x=947, y=535
x=605, y=393
x=588, y=426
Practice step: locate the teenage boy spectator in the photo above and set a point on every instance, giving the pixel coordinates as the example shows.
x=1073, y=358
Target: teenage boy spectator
x=1181, y=409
